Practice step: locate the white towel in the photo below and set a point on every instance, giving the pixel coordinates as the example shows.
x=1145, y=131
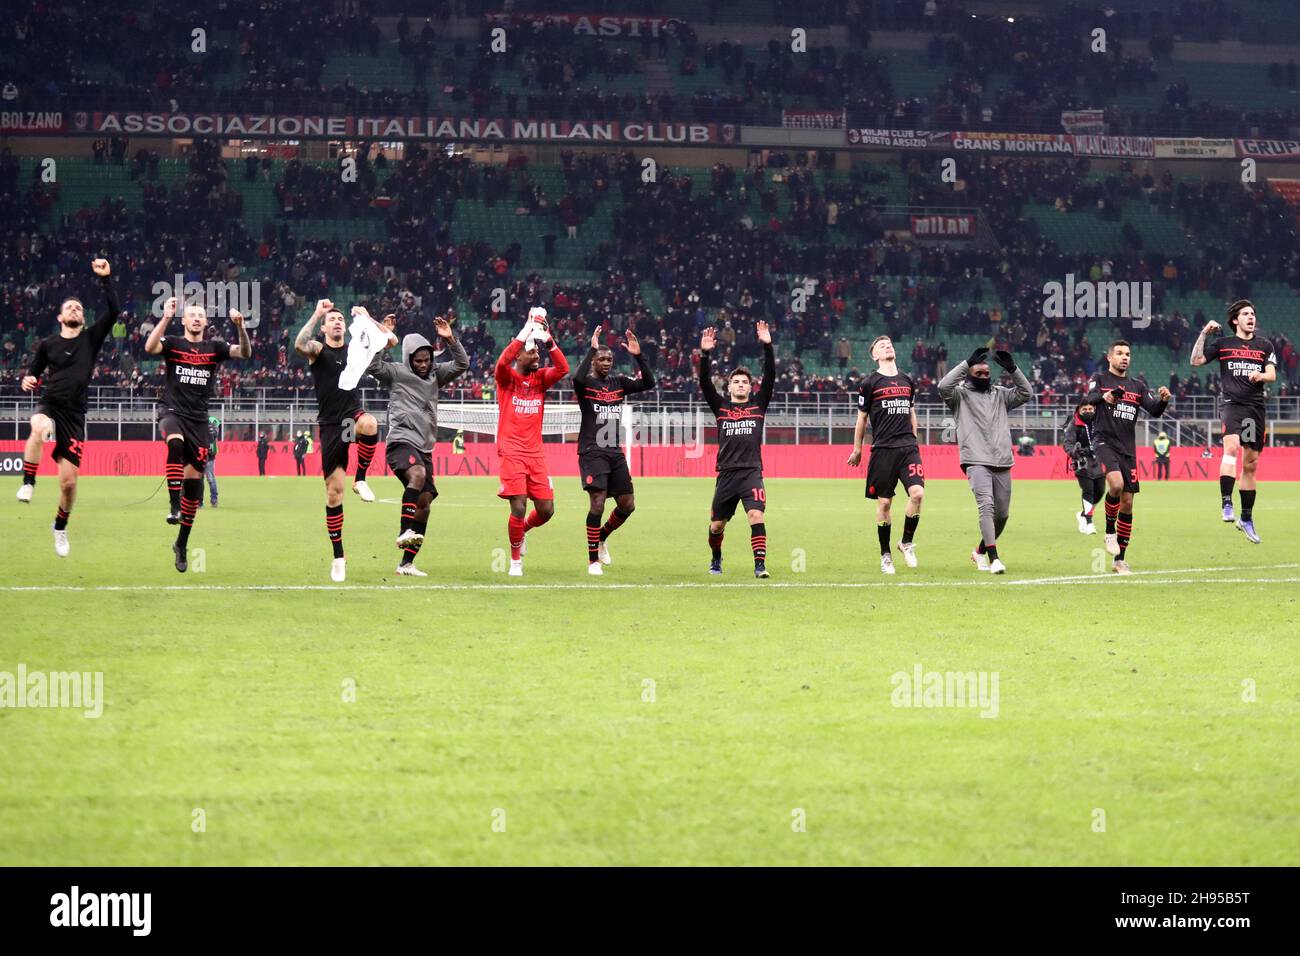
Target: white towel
x=366, y=341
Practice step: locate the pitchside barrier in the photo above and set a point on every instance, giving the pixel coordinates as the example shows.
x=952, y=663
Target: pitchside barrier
x=235, y=458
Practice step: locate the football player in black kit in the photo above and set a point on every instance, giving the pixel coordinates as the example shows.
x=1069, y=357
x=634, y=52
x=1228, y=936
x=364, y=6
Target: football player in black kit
x=1083, y=460
x=1247, y=363
x=740, y=448
x=1117, y=398
x=191, y=364
x=888, y=399
x=340, y=417
x=601, y=396
x=61, y=367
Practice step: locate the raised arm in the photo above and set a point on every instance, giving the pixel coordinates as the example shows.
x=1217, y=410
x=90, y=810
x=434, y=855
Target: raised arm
x=557, y=371
x=1023, y=391
x=769, y=369
x=459, y=364
x=948, y=389
x=584, y=367
x=245, y=347
x=1198, y=347
x=707, y=388
x=154, y=344
x=306, y=343
x=647, y=380
x=104, y=324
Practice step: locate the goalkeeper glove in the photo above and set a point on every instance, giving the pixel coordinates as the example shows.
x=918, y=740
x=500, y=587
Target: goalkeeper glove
x=530, y=329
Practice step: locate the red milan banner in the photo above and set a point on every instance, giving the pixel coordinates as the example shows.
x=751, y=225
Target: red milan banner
x=234, y=459
x=812, y=119
x=960, y=226
x=1135, y=146
x=440, y=128
x=1084, y=121
x=588, y=24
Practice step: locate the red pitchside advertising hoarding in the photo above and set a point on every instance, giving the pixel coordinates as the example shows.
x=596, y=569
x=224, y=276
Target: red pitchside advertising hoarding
x=148, y=458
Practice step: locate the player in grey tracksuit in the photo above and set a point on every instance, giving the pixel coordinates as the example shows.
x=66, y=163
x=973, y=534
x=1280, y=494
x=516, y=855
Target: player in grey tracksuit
x=984, y=440
x=413, y=426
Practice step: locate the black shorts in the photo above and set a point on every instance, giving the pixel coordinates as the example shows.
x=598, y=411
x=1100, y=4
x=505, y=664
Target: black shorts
x=744, y=486
x=603, y=471
x=69, y=431
x=400, y=457
x=1126, y=465
x=334, y=446
x=888, y=466
x=1243, y=421
x=195, y=433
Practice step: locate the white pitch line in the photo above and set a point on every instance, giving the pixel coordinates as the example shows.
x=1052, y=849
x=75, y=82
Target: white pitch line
x=681, y=585
x=1091, y=577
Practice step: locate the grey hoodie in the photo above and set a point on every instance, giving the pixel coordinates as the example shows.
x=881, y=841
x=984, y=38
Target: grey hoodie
x=983, y=432
x=413, y=401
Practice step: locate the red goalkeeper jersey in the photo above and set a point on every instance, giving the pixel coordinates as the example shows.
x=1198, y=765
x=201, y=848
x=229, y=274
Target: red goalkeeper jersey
x=521, y=400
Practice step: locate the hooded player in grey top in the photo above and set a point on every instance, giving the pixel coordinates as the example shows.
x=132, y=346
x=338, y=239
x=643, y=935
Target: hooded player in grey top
x=413, y=427
x=984, y=442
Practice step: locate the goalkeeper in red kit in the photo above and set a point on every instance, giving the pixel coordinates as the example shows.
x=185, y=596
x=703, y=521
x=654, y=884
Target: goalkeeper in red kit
x=521, y=400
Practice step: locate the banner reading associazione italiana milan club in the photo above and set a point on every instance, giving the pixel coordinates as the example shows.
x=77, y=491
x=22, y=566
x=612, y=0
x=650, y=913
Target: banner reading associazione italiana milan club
x=432, y=128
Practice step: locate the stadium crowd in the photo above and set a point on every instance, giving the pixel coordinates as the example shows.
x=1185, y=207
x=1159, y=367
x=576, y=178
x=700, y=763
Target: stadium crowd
x=271, y=56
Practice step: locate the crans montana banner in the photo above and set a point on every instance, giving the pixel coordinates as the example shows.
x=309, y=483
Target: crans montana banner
x=445, y=128
x=1019, y=143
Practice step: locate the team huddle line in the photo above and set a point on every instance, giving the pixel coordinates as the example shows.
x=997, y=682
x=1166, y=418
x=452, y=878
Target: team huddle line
x=1100, y=439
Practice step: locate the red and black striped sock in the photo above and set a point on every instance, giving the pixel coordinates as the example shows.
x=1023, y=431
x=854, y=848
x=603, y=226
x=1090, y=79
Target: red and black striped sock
x=1123, y=532
x=882, y=532
x=715, y=543
x=1112, y=510
x=334, y=525
x=29, y=471
x=191, y=493
x=981, y=549
x=175, y=472
x=758, y=541
x=593, y=537
x=365, y=452
x=60, y=520
x=616, y=519
x=409, y=498
x=411, y=550
x=909, y=527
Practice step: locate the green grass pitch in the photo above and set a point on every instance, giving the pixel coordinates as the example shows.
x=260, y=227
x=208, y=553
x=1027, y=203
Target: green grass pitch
x=655, y=715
